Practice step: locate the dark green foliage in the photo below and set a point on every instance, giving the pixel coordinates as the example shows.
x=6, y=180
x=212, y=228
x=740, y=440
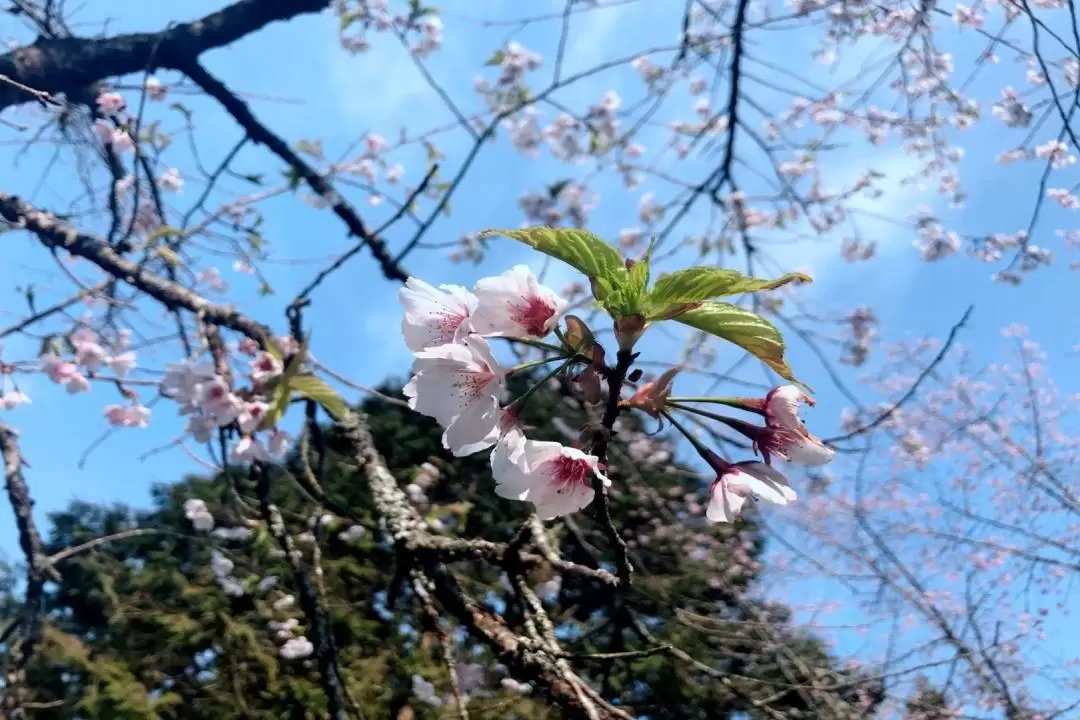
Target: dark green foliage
x=140, y=629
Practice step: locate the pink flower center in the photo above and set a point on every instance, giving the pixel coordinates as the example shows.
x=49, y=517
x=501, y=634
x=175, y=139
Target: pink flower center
x=533, y=314
x=473, y=384
x=447, y=324
x=569, y=471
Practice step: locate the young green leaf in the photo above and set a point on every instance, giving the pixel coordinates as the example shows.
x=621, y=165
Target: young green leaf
x=577, y=248
x=315, y=388
x=630, y=298
x=283, y=389
x=749, y=331
x=698, y=284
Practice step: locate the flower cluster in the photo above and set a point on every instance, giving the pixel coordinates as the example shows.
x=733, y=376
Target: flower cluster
x=458, y=382
x=783, y=435
x=91, y=355
x=210, y=403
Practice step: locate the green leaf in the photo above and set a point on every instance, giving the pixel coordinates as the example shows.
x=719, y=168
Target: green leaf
x=631, y=297
x=254, y=178
x=496, y=58
x=434, y=155
x=163, y=232
x=315, y=388
x=314, y=149
x=748, y=330
x=579, y=249
x=283, y=389
x=698, y=284
x=273, y=348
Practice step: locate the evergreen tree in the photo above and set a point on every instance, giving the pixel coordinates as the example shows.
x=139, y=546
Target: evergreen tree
x=170, y=622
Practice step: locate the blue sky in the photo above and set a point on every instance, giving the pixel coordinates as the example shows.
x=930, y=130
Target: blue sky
x=304, y=85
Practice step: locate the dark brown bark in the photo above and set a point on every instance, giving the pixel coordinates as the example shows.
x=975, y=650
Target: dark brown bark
x=68, y=65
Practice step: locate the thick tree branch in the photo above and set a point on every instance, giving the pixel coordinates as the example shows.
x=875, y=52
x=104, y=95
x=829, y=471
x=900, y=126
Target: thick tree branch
x=38, y=570
x=67, y=65
x=57, y=235
x=530, y=663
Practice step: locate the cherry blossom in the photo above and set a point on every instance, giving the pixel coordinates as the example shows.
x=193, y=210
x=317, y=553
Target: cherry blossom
x=251, y=415
x=88, y=352
x=459, y=385
x=131, y=416
x=195, y=510
x=155, y=89
x=122, y=363
x=516, y=304
x=64, y=372
x=13, y=398
x=296, y=648
x=110, y=103
x=740, y=481
x=214, y=398
x=434, y=316
x=265, y=367
x=279, y=442
x=782, y=406
x=792, y=444
x=248, y=448
x=183, y=382
x=554, y=478
x=171, y=180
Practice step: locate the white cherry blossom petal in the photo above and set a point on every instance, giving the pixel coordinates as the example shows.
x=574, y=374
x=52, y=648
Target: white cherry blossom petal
x=555, y=478
x=516, y=304
x=809, y=451
x=475, y=429
x=742, y=481
x=459, y=385
x=782, y=406
x=766, y=482
x=434, y=316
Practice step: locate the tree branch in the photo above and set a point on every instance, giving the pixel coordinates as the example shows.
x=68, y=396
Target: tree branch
x=69, y=64
x=57, y=235
x=38, y=570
